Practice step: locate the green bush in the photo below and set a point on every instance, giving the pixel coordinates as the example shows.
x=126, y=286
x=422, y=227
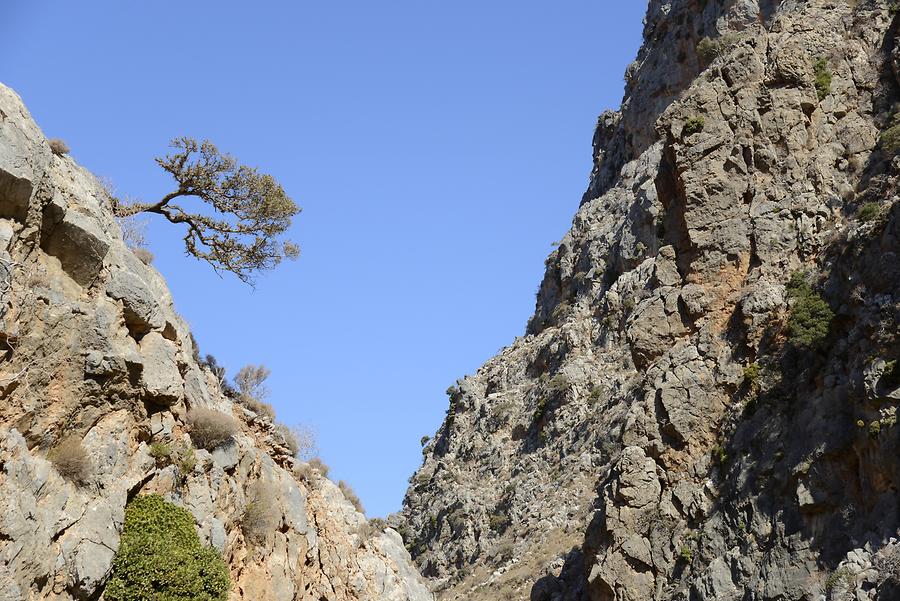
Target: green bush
x=499, y=522
x=161, y=452
x=160, y=557
x=823, y=78
x=890, y=139
x=694, y=125
x=868, y=212
x=810, y=318
x=751, y=375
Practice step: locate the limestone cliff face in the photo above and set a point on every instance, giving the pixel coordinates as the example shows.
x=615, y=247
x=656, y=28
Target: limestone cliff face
x=661, y=432
x=92, y=348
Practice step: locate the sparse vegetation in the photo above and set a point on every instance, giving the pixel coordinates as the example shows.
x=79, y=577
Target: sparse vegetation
x=161, y=452
x=822, y=78
x=351, y=496
x=160, y=557
x=424, y=440
x=559, y=383
x=751, y=376
x=840, y=575
x=71, y=460
x=301, y=440
x=810, y=317
x=210, y=428
x=694, y=125
x=874, y=428
x=320, y=466
x=144, y=255
x=58, y=147
x=709, y=49
x=258, y=519
x=869, y=211
x=499, y=522
x=595, y=395
x=186, y=460
x=685, y=554
x=250, y=210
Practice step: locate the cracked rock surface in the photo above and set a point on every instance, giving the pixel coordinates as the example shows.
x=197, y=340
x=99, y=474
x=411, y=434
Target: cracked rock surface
x=659, y=432
x=93, y=348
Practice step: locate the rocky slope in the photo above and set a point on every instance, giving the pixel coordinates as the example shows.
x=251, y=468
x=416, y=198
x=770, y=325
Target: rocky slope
x=92, y=349
x=679, y=422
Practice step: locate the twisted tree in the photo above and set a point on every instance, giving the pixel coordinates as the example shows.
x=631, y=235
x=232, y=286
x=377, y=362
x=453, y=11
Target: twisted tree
x=249, y=213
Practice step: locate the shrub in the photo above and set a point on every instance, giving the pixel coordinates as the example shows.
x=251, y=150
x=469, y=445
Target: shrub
x=320, y=466
x=258, y=407
x=144, y=255
x=351, y=496
x=890, y=139
x=810, y=317
x=258, y=519
x=160, y=557
x=559, y=383
x=875, y=428
x=71, y=460
x=210, y=428
x=685, y=555
x=822, y=78
x=498, y=522
x=424, y=440
x=58, y=147
x=694, y=125
x=709, y=49
x=161, y=452
x=596, y=393
x=300, y=440
x=751, y=376
x=251, y=381
x=186, y=459
x=869, y=211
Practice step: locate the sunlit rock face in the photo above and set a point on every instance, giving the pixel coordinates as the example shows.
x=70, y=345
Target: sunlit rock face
x=664, y=429
x=93, y=349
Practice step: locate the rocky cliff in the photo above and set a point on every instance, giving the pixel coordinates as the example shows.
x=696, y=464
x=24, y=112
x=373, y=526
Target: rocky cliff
x=93, y=352
x=704, y=404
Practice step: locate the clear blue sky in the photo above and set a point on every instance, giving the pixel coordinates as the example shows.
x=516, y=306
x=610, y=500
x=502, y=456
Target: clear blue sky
x=437, y=149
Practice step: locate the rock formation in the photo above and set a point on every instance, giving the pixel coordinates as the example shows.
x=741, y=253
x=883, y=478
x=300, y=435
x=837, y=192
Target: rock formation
x=704, y=404
x=93, y=352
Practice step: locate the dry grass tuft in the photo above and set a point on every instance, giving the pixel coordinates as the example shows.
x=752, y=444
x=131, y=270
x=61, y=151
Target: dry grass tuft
x=210, y=428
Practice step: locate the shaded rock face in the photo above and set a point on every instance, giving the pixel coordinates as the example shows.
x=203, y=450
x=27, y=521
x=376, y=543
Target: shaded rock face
x=92, y=348
x=659, y=433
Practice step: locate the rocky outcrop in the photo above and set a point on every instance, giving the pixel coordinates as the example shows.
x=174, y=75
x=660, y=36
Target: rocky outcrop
x=93, y=349
x=662, y=431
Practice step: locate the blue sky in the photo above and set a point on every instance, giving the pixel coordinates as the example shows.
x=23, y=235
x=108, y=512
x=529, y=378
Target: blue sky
x=437, y=150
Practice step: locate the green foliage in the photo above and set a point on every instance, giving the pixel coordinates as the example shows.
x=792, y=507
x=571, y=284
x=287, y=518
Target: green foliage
x=810, y=318
x=187, y=461
x=685, y=554
x=424, y=440
x=890, y=138
x=596, y=393
x=499, y=522
x=248, y=211
x=559, y=383
x=160, y=557
x=694, y=125
x=751, y=376
x=875, y=428
x=709, y=49
x=840, y=575
x=161, y=452
x=869, y=211
x=719, y=455
x=541, y=409
x=822, y=78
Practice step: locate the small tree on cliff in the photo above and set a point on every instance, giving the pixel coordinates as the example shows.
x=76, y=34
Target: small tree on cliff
x=250, y=210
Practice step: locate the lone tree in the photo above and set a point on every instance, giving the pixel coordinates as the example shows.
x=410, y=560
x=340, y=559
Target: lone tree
x=250, y=210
